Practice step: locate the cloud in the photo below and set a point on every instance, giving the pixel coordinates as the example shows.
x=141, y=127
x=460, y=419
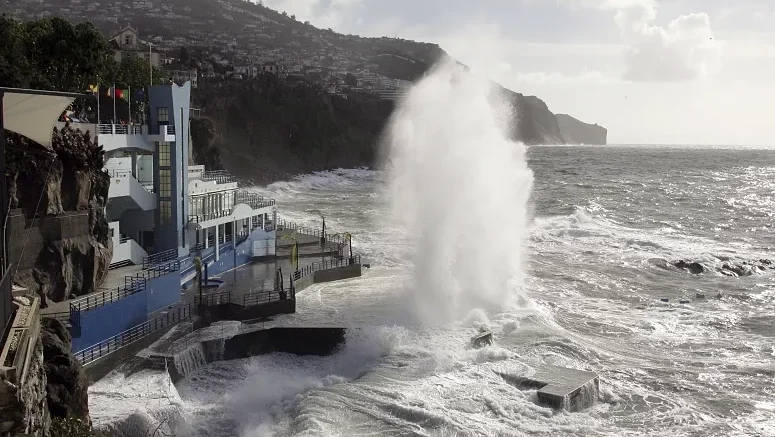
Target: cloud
x=683, y=50
x=557, y=78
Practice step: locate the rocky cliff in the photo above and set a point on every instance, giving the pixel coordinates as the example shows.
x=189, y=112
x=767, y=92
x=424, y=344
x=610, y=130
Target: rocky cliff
x=59, y=234
x=269, y=129
x=66, y=384
x=577, y=132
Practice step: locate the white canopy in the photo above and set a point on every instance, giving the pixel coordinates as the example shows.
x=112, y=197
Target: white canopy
x=32, y=113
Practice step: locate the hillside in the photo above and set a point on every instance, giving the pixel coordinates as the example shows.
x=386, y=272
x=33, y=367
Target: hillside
x=577, y=132
x=249, y=129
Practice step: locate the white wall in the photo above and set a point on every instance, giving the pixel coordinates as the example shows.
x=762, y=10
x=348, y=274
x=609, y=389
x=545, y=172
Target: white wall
x=124, y=163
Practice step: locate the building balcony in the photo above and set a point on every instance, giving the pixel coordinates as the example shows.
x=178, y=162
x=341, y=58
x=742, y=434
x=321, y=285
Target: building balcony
x=126, y=136
x=246, y=205
x=126, y=193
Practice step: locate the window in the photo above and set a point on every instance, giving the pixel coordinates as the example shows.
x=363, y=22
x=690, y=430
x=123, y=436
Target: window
x=165, y=183
x=128, y=39
x=164, y=154
x=112, y=232
x=163, y=115
x=165, y=209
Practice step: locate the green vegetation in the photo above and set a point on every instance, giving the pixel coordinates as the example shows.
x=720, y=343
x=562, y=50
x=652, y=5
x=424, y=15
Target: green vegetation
x=54, y=54
x=70, y=427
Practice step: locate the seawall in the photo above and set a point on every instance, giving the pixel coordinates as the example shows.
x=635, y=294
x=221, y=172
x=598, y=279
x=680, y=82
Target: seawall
x=298, y=341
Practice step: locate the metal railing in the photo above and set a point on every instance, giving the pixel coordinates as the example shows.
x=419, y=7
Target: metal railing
x=219, y=176
x=248, y=299
x=254, y=200
x=131, y=335
x=121, y=174
x=325, y=265
x=132, y=284
x=262, y=297
x=284, y=225
x=214, y=299
x=156, y=271
x=198, y=218
x=162, y=129
x=95, y=300
x=158, y=258
x=120, y=129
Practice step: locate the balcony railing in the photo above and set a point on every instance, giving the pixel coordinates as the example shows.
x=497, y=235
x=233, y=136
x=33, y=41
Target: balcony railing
x=119, y=129
x=162, y=129
x=117, y=174
x=219, y=176
x=254, y=200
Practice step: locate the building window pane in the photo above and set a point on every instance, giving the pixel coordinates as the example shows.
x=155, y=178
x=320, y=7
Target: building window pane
x=165, y=209
x=162, y=115
x=165, y=184
x=164, y=154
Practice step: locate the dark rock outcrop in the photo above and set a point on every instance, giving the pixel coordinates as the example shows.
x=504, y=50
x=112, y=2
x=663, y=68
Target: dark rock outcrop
x=692, y=267
x=577, y=132
x=59, y=233
x=66, y=382
x=728, y=268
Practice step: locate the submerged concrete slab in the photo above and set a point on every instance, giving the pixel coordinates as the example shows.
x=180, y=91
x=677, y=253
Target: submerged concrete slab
x=559, y=387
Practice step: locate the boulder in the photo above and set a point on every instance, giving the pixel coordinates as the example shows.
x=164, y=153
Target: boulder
x=67, y=385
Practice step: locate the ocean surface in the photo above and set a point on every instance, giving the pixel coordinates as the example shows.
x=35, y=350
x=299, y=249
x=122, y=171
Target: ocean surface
x=605, y=225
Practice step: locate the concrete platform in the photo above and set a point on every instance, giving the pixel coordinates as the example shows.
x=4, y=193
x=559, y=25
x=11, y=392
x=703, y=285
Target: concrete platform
x=561, y=388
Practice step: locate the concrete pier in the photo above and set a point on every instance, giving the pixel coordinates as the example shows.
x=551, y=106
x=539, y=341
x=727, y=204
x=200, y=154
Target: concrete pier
x=561, y=388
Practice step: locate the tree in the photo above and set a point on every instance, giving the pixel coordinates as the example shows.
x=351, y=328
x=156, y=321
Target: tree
x=135, y=73
x=351, y=80
x=184, y=56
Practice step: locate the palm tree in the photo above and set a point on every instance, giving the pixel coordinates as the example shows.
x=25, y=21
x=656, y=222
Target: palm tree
x=294, y=248
x=323, y=234
x=198, y=266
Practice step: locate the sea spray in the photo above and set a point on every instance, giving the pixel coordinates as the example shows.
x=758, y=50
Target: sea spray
x=461, y=187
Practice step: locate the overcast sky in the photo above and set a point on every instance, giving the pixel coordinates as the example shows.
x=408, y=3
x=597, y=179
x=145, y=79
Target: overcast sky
x=651, y=71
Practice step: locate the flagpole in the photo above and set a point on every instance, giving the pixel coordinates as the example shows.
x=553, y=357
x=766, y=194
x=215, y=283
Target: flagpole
x=150, y=64
x=130, y=105
x=113, y=93
x=98, y=107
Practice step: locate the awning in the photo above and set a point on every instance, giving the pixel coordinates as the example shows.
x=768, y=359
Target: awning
x=32, y=113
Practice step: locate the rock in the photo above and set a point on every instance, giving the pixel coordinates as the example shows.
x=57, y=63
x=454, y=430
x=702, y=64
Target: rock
x=693, y=267
x=482, y=339
x=577, y=132
x=63, y=246
x=66, y=382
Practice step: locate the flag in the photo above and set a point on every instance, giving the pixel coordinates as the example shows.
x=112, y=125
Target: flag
x=110, y=91
x=94, y=89
x=122, y=94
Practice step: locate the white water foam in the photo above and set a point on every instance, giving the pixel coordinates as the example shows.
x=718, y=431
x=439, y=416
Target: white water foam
x=137, y=405
x=190, y=359
x=461, y=188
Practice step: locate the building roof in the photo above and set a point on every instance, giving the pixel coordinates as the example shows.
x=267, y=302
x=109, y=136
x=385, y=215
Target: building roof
x=127, y=27
x=32, y=113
